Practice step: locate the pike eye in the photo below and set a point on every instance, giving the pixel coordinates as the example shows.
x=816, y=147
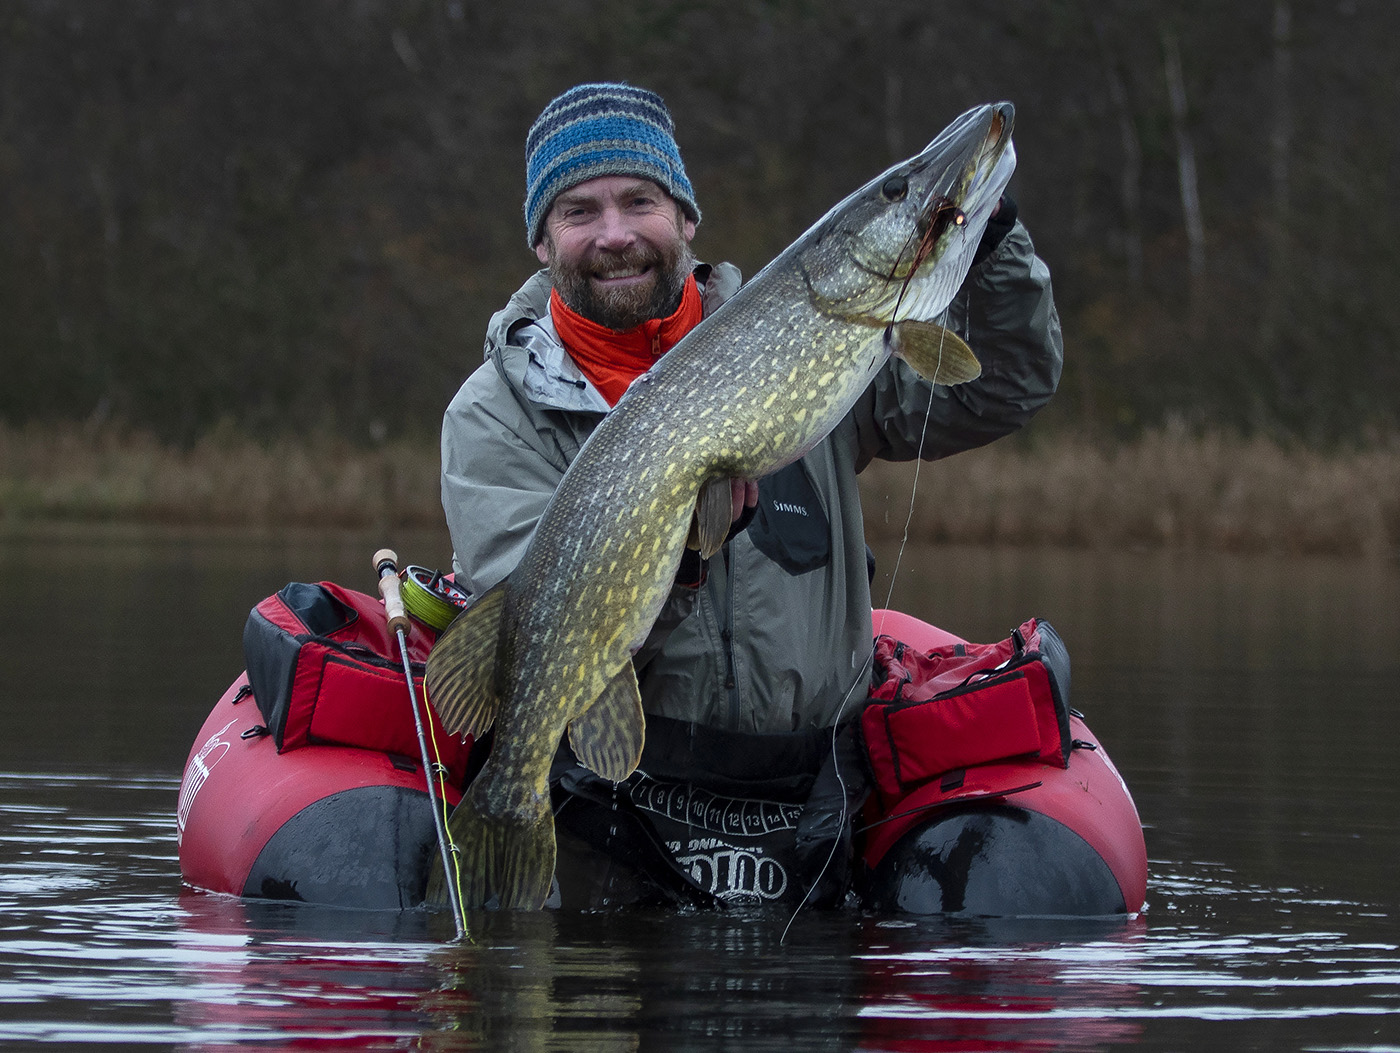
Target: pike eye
x=895, y=188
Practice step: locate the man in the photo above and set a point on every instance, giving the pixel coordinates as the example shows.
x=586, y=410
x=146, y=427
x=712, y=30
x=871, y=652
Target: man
x=760, y=652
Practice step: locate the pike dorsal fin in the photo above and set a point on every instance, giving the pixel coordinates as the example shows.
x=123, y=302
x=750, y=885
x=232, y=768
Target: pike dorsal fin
x=461, y=675
x=937, y=354
x=714, y=515
x=607, y=737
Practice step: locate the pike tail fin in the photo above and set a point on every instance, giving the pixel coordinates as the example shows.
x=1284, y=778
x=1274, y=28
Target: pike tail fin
x=500, y=863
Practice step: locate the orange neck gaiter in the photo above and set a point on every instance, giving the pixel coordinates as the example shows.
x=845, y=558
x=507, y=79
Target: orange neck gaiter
x=612, y=359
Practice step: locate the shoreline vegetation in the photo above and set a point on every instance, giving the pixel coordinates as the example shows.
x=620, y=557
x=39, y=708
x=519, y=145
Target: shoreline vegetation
x=1167, y=489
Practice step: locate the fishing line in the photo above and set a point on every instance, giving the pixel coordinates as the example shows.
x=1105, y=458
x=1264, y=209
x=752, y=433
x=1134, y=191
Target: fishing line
x=958, y=218
x=454, y=853
x=431, y=598
x=914, y=489
x=864, y=674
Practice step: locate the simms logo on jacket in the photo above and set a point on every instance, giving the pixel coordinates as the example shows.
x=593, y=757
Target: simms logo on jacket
x=791, y=528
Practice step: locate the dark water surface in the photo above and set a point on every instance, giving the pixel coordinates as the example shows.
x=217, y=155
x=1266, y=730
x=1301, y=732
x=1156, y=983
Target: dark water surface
x=1251, y=705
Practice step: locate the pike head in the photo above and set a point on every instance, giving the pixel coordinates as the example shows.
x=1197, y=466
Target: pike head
x=899, y=248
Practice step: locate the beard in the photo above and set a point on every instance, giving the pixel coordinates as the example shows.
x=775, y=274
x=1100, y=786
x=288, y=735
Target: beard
x=670, y=265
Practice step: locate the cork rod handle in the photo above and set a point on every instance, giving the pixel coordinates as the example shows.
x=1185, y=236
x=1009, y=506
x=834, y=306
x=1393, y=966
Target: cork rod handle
x=386, y=565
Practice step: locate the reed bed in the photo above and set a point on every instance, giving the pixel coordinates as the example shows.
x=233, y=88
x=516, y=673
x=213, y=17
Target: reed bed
x=1165, y=489
x=226, y=479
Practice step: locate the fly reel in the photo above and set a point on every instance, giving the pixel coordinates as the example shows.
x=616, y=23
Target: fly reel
x=431, y=598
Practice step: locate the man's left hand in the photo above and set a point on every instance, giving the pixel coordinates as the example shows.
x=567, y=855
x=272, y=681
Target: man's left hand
x=743, y=494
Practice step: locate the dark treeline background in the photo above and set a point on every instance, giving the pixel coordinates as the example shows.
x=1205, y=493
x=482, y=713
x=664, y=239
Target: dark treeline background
x=297, y=215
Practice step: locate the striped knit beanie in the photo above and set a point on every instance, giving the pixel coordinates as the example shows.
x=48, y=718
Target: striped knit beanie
x=596, y=130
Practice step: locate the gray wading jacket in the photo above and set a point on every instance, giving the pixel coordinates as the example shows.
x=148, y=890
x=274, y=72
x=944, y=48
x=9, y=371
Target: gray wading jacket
x=780, y=632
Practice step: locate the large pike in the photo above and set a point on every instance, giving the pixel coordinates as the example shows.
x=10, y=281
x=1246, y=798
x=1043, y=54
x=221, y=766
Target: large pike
x=752, y=388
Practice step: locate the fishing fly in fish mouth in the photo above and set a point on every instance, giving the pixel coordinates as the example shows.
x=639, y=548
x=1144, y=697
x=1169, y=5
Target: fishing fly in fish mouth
x=754, y=384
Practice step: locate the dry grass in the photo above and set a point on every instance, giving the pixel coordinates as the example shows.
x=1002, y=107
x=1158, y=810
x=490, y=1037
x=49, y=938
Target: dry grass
x=1166, y=489
x=227, y=479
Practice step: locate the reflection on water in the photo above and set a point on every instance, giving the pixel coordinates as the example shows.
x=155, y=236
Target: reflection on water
x=1249, y=705
x=100, y=947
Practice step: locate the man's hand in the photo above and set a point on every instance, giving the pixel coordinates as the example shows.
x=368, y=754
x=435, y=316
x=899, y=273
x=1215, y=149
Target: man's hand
x=743, y=495
x=743, y=504
x=999, y=224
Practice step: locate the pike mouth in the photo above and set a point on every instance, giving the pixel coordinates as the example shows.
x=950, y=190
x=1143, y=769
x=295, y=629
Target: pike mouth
x=941, y=212
x=934, y=221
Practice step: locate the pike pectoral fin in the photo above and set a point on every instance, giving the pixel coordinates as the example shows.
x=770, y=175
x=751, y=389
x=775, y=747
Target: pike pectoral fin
x=936, y=353
x=461, y=675
x=607, y=737
x=505, y=864
x=714, y=515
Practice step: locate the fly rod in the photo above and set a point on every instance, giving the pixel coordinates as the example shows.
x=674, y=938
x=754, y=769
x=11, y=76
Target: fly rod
x=386, y=567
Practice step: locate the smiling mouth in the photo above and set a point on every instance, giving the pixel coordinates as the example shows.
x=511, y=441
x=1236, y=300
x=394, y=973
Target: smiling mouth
x=621, y=274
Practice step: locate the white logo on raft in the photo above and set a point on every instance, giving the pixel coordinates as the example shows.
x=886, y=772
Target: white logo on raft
x=201, y=764
x=784, y=506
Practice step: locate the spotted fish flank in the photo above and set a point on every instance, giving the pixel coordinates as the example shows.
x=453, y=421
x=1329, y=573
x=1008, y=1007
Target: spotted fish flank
x=749, y=390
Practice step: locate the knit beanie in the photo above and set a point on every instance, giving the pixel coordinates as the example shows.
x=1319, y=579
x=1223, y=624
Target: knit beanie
x=597, y=130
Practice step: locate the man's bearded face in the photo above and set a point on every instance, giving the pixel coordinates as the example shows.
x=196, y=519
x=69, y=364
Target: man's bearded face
x=618, y=250
x=622, y=289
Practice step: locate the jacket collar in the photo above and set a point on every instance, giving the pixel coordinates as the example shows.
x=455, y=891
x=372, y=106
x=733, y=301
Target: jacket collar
x=523, y=341
x=552, y=378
